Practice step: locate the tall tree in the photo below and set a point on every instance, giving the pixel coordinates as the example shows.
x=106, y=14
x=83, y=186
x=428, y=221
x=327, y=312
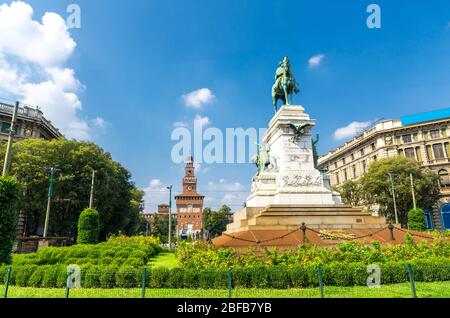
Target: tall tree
x=376, y=187
x=217, y=219
x=160, y=227
x=113, y=196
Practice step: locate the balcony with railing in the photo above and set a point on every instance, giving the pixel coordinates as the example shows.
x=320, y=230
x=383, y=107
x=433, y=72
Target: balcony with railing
x=27, y=112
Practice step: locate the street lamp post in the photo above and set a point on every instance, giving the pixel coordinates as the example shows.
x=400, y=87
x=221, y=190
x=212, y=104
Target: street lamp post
x=91, y=198
x=393, y=197
x=52, y=171
x=412, y=191
x=170, y=215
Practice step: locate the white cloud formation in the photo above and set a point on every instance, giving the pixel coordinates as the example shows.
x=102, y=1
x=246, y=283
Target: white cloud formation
x=155, y=194
x=203, y=120
x=198, y=98
x=180, y=124
x=316, y=60
x=32, y=66
x=351, y=130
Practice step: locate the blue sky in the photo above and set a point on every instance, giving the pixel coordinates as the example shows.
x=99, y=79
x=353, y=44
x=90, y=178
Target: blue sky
x=133, y=61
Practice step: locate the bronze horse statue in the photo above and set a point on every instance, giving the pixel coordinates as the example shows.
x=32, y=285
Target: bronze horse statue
x=285, y=84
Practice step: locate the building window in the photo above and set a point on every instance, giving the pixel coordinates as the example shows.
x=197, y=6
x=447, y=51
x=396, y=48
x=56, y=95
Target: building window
x=337, y=179
x=335, y=165
x=438, y=151
x=345, y=175
x=434, y=134
x=406, y=138
x=362, y=152
x=364, y=166
x=5, y=128
x=444, y=178
x=343, y=161
x=410, y=153
x=355, y=171
x=353, y=156
x=374, y=158
x=373, y=147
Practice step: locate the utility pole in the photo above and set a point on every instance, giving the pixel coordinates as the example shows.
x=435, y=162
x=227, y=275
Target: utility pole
x=170, y=215
x=412, y=191
x=7, y=162
x=49, y=198
x=393, y=197
x=91, y=199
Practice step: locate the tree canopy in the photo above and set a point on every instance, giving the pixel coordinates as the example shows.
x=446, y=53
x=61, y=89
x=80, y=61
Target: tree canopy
x=116, y=198
x=375, y=187
x=217, y=219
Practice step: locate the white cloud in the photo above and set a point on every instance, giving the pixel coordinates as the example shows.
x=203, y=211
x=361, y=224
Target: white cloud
x=155, y=194
x=351, y=130
x=32, y=66
x=99, y=122
x=316, y=60
x=180, y=124
x=198, y=98
x=222, y=192
x=204, y=121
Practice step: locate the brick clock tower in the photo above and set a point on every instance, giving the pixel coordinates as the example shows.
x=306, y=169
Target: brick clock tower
x=189, y=203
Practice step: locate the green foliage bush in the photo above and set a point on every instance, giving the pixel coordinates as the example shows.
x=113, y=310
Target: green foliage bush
x=9, y=193
x=135, y=253
x=269, y=277
x=88, y=227
x=201, y=255
x=416, y=220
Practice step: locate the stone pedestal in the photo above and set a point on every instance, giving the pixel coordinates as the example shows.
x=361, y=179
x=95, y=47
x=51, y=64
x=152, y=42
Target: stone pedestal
x=289, y=190
x=292, y=179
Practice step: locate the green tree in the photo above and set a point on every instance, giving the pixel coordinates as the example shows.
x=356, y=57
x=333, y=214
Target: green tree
x=351, y=192
x=88, y=227
x=376, y=187
x=416, y=220
x=9, y=193
x=114, y=195
x=217, y=219
x=160, y=227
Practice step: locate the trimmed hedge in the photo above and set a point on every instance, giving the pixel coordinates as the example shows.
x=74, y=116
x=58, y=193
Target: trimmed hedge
x=276, y=277
x=416, y=220
x=88, y=227
x=9, y=193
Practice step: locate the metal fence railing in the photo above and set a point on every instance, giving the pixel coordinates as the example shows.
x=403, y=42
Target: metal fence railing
x=138, y=283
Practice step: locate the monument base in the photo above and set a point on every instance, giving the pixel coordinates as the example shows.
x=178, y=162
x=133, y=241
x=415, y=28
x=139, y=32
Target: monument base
x=291, y=217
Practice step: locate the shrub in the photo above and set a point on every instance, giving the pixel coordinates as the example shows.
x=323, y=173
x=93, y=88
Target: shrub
x=50, y=277
x=416, y=220
x=91, y=278
x=21, y=275
x=108, y=277
x=88, y=227
x=158, y=277
x=9, y=193
x=127, y=277
x=175, y=279
x=38, y=275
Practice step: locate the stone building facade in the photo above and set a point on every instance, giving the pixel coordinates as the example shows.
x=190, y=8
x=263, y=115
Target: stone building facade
x=30, y=123
x=189, y=204
x=423, y=137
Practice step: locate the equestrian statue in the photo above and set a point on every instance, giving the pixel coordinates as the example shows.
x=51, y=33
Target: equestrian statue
x=285, y=84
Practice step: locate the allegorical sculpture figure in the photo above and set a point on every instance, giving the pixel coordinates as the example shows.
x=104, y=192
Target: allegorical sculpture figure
x=264, y=160
x=285, y=85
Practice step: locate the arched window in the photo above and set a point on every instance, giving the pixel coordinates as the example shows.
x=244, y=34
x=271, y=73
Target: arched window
x=444, y=178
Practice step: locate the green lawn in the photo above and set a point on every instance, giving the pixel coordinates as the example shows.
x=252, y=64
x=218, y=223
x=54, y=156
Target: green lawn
x=167, y=260
x=424, y=290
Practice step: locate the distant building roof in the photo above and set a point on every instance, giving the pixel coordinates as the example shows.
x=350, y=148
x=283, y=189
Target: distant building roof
x=426, y=116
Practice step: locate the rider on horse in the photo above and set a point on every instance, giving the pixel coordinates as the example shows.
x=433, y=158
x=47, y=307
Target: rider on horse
x=285, y=85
